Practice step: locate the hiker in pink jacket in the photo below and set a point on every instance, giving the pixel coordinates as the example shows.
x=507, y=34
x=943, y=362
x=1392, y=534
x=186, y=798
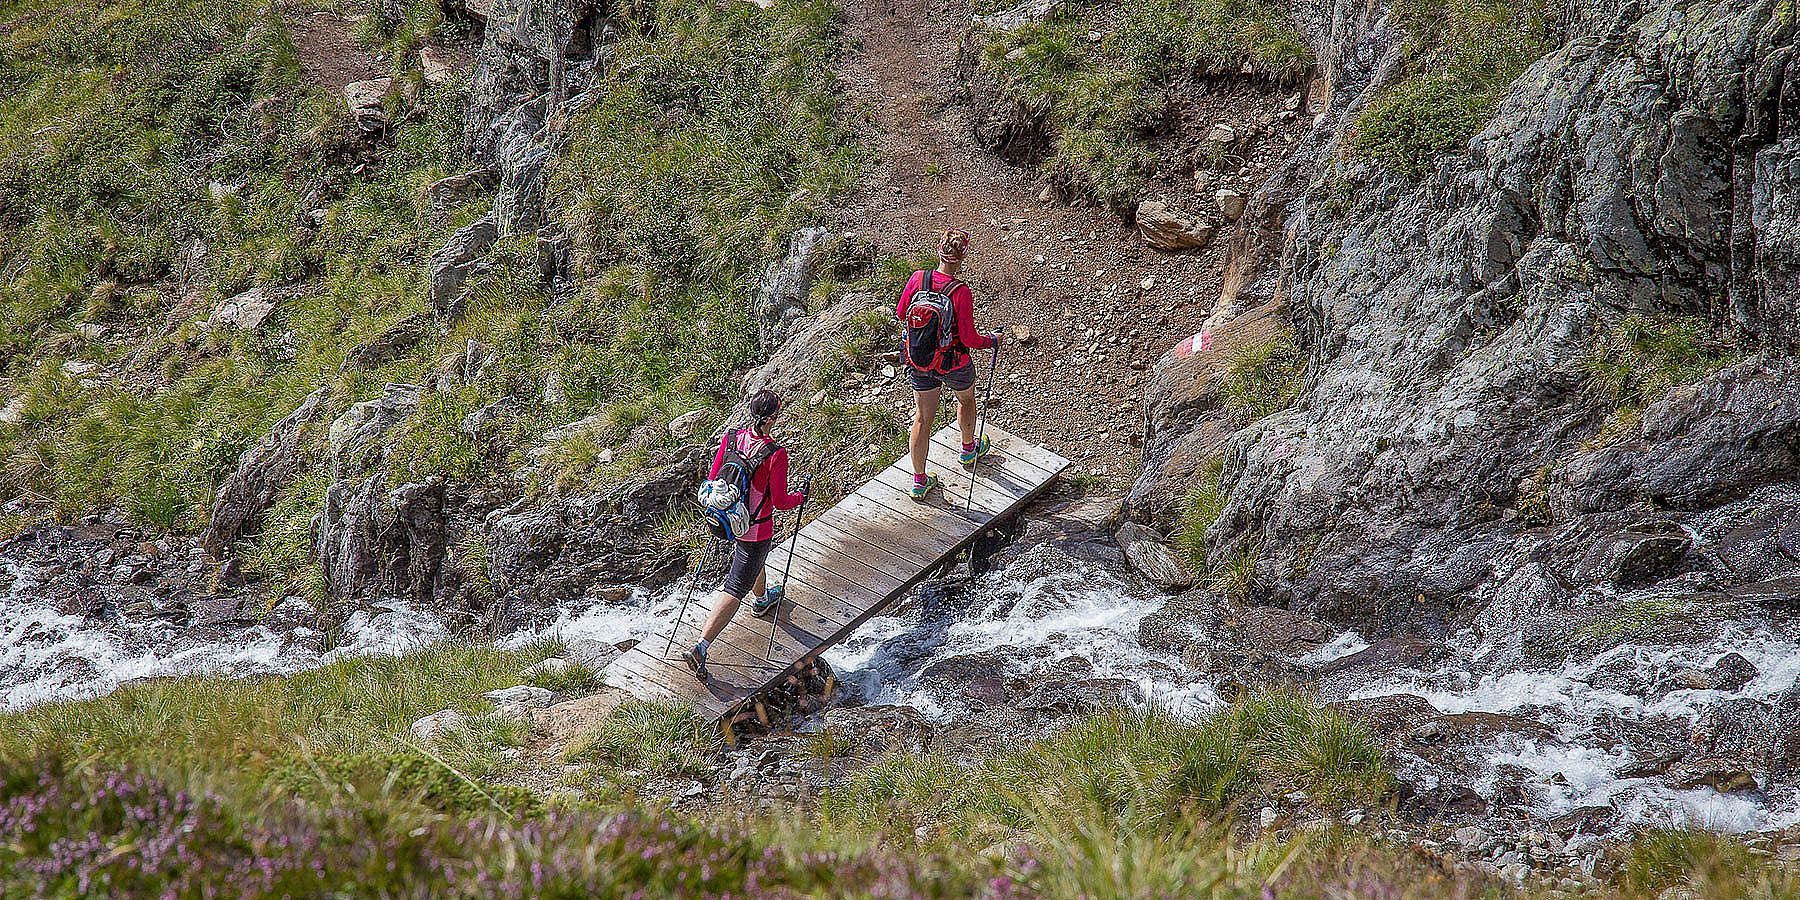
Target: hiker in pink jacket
x=768, y=493
x=940, y=331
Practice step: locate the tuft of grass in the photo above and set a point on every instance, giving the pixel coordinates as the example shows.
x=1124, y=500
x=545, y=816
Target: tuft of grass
x=1264, y=379
x=830, y=743
x=1238, y=576
x=1663, y=858
x=865, y=336
x=1638, y=361
x=1200, y=509
x=1140, y=771
x=1101, y=100
x=1462, y=57
x=575, y=680
x=653, y=739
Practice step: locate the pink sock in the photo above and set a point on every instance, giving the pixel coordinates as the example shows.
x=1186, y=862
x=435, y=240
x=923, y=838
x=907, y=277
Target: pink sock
x=918, y=478
x=968, y=448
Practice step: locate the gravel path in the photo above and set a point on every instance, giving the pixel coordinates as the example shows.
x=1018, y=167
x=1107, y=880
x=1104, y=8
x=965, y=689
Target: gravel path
x=1098, y=305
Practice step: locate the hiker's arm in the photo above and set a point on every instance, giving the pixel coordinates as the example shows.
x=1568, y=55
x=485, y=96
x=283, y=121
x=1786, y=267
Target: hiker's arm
x=905, y=295
x=778, y=486
x=964, y=302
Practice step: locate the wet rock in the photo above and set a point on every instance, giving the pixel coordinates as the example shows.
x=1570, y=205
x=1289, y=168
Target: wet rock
x=1075, y=697
x=249, y=310
x=1389, y=715
x=1152, y=558
x=1181, y=621
x=552, y=553
x=882, y=729
x=221, y=612
x=1731, y=673
x=782, y=295
x=976, y=678
x=1165, y=227
x=452, y=264
x=375, y=543
x=1719, y=773
x=261, y=474
x=1276, y=632
x=431, y=727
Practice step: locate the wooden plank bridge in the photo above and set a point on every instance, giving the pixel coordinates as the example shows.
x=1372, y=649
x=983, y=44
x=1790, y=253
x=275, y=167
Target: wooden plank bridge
x=849, y=564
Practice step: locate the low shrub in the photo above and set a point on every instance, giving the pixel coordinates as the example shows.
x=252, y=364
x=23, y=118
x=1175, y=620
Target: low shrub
x=1462, y=57
x=1264, y=379
x=1642, y=358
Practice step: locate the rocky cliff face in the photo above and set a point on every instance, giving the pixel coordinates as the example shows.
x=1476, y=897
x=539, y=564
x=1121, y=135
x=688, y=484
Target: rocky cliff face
x=1448, y=423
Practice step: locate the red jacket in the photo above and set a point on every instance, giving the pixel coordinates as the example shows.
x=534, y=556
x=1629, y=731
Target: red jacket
x=770, y=482
x=962, y=302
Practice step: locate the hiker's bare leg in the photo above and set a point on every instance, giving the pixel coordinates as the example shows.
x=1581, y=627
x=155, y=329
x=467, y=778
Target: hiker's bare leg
x=724, y=607
x=965, y=414
x=924, y=416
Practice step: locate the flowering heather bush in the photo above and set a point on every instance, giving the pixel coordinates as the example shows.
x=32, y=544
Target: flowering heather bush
x=123, y=835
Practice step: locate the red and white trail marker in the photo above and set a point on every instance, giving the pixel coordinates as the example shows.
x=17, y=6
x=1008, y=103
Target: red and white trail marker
x=1199, y=343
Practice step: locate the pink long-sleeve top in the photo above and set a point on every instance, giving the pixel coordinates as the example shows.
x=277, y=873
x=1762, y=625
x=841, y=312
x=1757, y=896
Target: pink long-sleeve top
x=962, y=303
x=768, y=487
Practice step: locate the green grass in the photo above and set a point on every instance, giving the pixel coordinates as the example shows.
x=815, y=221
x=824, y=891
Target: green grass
x=1264, y=379
x=1663, y=858
x=574, y=680
x=1202, y=506
x=1141, y=772
x=1102, y=101
x=650, y=739
x=1237, y=577
x=239, y=732
x=1462, y=57
x=1641, y=359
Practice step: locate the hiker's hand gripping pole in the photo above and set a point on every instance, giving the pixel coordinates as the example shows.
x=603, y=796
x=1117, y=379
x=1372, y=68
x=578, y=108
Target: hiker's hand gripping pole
x=793, y=546
x=981, y=432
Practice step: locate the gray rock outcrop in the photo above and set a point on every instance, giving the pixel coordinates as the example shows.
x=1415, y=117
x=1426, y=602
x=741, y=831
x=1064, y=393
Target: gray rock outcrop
x=262, y=471
x=1449, y=321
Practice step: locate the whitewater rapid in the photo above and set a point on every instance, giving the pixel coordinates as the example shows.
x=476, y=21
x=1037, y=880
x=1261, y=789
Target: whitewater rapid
x=1036, y=619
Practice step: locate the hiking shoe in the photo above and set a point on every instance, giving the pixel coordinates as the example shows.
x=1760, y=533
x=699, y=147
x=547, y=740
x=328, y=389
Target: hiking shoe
x=696, y=660
x=982, y=448
x=920, y=490
x=763, y=606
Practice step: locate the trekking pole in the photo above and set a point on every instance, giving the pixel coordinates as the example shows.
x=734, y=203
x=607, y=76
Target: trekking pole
x=988, y=395
x=793, y=547
x=693, y=582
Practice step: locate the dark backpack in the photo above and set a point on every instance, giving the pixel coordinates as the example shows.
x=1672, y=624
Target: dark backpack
x=725, y=499
x=930, y=325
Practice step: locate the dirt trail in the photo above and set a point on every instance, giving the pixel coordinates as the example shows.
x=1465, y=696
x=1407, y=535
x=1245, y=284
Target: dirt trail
x=1074, y=276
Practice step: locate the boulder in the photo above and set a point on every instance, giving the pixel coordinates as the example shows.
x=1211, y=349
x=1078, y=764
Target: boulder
x=1731, y=672
x=1152, y=558
x=261, y=474
x=1231, y=203
x=1726, y=774
x=593, y=654
x=437, y=66
x=429, y=728
x=367, y=102
x=524, y=694
x=882, y=729
x=355, y=437
x=249, y=310
x=1167, y=228
x=1027, y=13
x=684, y=426
x=389, y=345
x=452, y=264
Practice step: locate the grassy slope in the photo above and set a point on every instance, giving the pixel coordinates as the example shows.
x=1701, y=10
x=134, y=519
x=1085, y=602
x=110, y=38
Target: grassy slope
x=310, y=784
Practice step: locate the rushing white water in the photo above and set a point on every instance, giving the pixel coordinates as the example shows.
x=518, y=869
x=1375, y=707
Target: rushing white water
x=47, y=656
x=1043, y=616
x=1036, y=618
x=1573, y=770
